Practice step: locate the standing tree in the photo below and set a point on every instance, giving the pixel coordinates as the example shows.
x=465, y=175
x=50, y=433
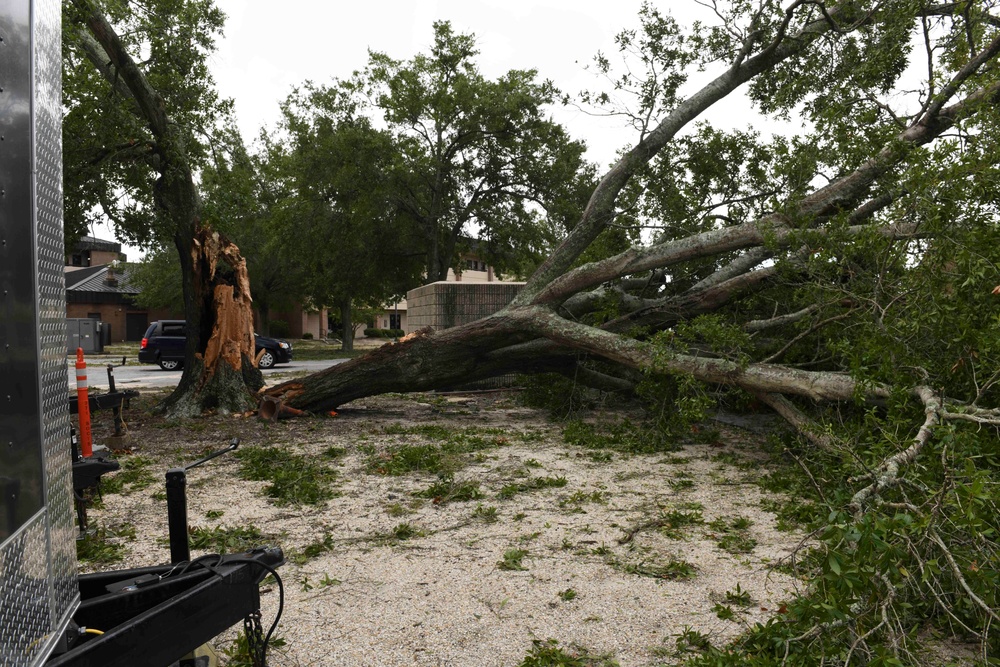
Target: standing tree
x=131, y=136
x=476, y=157
x=845, y=277
x=337, y=216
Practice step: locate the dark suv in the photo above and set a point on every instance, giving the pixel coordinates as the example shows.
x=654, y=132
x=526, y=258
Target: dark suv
x=164, y=341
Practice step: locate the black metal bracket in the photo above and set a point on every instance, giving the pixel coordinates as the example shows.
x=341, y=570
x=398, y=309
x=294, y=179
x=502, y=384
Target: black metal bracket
x=153, y=616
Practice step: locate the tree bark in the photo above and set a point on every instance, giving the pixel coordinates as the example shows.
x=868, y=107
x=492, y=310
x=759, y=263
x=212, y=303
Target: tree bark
x=346, y=327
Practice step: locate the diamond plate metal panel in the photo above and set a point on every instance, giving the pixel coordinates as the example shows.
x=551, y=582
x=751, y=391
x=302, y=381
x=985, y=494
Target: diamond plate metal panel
x=51, y=291
x=38, y=588
x=25, y=616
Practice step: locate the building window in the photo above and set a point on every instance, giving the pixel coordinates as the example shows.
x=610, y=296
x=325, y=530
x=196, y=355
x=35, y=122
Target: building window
x=394, y=321
x=94, y=316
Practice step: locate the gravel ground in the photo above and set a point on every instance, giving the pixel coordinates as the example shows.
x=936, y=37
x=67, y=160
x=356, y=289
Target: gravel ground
x=394, y=579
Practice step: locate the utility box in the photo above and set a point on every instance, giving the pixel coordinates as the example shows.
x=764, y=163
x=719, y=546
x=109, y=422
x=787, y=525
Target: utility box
x=86, y=333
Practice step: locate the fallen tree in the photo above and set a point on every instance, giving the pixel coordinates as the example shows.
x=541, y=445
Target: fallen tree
x=774, y=248
x=845, y=278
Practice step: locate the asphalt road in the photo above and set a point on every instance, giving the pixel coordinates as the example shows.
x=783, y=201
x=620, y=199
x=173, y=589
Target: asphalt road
x=150, y=375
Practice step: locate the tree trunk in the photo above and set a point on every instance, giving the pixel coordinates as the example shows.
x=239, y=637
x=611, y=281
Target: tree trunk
x=493, y=346
x=220, y=369
x=346, y=327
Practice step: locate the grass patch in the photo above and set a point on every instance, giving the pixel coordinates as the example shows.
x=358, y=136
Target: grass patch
x=792, y=515
x=226, y=540
x=623, y=436
x=294, y=479
x=670, y=524
x=548, y=654
x=582, y=497
x=738, y=597
x=396, y=510
x=486, y=514
x=447, y=490
x=444, y=457
x=401, y=533
x=513, y=560
x=732, y=534
x=134, y=475
x=238, y=653
x=335, y=453
x=672, y=570
x=313, y=549
x=533, y=484
x=95, y=548
x=692, y=641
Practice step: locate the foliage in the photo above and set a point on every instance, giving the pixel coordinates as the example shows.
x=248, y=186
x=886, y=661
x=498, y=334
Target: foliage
x=133, y=475
x=533, y=484
x=238, y=652
x=623, y=436
x=335, y=215
x=548, y=654
x=110, y=156
x=158, y=280
x=444, y=459
x=512, y=560
x=244, y=195
x=224, y=539
x=98, y=548
x=294, y=479
x=446, y=489
x=138, y=104
x=843, y=275
x=473, y=153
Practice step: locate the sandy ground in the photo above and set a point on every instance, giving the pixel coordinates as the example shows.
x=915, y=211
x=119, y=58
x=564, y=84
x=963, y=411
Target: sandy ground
x=403, y=580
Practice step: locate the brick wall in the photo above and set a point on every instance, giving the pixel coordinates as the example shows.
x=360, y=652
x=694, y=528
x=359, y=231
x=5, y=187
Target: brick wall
x=443, y=305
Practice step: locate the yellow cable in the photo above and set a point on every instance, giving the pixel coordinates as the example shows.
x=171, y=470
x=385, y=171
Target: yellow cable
x=92, y=631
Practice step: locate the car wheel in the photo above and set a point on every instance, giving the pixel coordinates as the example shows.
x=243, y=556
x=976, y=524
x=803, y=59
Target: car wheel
x=266, y=359
x=169, y=364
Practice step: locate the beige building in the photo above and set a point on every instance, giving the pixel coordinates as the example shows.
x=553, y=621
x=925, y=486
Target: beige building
x=302, y=321
x=475, y=271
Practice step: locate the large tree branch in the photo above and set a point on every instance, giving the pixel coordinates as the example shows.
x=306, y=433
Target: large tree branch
x=99, y=59
x=600, y=209
x=887, y=474
x=642, y=355
x=149, y=100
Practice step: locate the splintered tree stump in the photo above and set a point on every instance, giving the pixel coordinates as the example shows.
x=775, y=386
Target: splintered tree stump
x=224, y=375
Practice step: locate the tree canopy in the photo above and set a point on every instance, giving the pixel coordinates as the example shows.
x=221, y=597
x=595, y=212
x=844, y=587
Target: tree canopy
x=475, y=157
x=337, y=215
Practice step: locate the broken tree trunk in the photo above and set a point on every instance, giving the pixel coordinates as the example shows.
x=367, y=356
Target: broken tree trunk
x=223, y=374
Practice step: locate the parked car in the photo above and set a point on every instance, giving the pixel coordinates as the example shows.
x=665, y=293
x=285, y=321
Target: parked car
x=164, y=341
